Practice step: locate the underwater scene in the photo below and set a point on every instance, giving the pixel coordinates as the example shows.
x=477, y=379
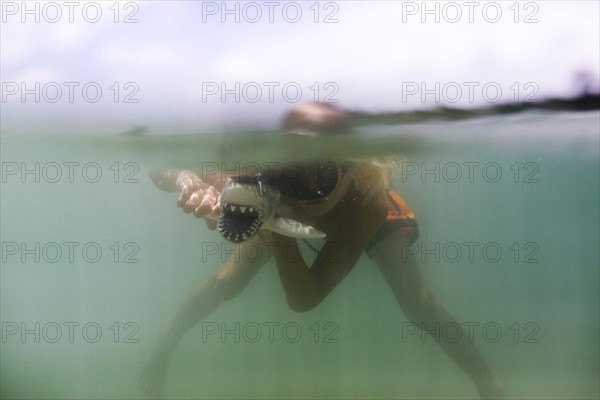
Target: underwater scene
x=299, y=199
x=97, y=261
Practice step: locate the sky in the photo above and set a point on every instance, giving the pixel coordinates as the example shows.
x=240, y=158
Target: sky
x=192, y=66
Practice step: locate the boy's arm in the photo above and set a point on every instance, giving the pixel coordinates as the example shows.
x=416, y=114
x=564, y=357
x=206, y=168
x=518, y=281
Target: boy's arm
x=352, y=228
x=174, y=180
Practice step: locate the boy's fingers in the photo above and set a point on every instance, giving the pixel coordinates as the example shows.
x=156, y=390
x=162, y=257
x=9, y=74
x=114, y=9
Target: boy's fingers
x=184, y=196
x=193, y=202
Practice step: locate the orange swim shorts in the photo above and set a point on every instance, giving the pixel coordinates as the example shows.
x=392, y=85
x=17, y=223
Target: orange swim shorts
x=399, y=216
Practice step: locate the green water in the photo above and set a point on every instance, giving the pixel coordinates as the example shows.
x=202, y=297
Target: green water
x=538, y=300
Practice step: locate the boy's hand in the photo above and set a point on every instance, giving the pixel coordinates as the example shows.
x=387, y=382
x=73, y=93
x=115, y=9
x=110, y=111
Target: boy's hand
x=198, y=197
x=195, y=195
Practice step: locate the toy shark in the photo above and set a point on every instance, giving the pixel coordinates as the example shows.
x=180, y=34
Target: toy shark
x=249, y=203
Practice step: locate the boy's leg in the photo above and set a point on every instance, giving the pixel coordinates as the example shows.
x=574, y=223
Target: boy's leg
x=421, y=308
x=229, y=281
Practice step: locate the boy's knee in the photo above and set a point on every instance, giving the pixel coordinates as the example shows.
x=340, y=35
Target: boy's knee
x=419, y=305
x=299, y=308
x=301, y=305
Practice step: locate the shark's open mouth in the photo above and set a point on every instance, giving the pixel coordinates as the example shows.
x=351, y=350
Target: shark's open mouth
x=239, y=223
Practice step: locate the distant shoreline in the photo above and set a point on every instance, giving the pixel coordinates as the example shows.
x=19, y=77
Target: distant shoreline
x=584, y=102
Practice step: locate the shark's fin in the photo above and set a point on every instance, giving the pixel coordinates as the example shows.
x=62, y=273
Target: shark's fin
x=291, y=228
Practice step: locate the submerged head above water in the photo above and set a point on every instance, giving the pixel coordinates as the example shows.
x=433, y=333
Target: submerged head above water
x=316, y=119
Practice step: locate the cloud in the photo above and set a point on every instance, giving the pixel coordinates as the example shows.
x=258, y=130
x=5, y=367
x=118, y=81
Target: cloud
x=369, y=53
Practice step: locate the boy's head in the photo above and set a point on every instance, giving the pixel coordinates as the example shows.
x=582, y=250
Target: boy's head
x=313, y=119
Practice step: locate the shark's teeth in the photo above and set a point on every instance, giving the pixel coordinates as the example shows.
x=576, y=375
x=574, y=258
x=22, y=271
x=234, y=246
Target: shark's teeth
x=239, y=223
x=246, y=211
x=237, y=237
